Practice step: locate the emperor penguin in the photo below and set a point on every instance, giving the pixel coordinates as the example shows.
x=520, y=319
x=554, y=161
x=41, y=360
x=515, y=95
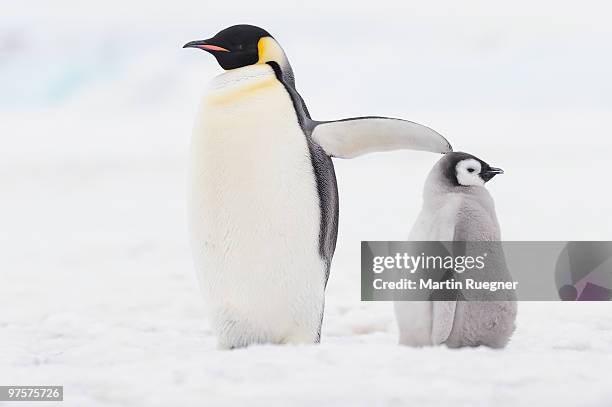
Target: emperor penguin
x=457, y=207
x=263, y=203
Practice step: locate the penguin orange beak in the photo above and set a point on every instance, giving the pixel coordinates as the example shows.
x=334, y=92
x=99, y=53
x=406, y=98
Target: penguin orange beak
x=206, y=46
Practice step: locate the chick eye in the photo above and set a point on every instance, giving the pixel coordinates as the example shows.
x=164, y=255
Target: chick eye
x=471, y=170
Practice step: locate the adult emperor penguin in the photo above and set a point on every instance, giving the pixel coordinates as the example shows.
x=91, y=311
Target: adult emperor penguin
x=263, y=194
x=457, y=207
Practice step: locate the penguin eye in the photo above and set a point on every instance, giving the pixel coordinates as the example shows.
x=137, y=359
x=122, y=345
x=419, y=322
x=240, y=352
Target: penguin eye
x=471, y=170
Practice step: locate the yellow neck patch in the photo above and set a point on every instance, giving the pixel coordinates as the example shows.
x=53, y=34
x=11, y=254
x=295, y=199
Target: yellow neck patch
x=242, y=92
x=270, y=50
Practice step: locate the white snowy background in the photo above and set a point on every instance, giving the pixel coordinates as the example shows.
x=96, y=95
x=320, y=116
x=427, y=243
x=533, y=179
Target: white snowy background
x=97, y=100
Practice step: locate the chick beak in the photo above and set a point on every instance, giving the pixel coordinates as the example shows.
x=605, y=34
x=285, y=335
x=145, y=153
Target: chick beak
x=490, y=173
x=206, y=46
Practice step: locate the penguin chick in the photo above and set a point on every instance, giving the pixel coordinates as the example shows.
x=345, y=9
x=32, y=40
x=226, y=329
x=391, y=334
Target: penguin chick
x=458, y=207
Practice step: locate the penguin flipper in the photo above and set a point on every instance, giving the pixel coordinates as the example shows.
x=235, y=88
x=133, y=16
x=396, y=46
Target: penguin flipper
x=442, y=321
x=349, y=138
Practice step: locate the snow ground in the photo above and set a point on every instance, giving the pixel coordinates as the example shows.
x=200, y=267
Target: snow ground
x=97, y=290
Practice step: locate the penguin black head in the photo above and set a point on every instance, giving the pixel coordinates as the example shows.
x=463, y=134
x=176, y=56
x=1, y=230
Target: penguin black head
x=242, y=45
x=463, y=169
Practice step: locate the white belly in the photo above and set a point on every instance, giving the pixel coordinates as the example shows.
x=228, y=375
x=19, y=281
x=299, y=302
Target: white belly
x=254, y=211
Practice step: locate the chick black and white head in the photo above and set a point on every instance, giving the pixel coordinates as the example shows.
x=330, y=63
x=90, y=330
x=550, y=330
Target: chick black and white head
x=243, y=45
x=465, y=170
